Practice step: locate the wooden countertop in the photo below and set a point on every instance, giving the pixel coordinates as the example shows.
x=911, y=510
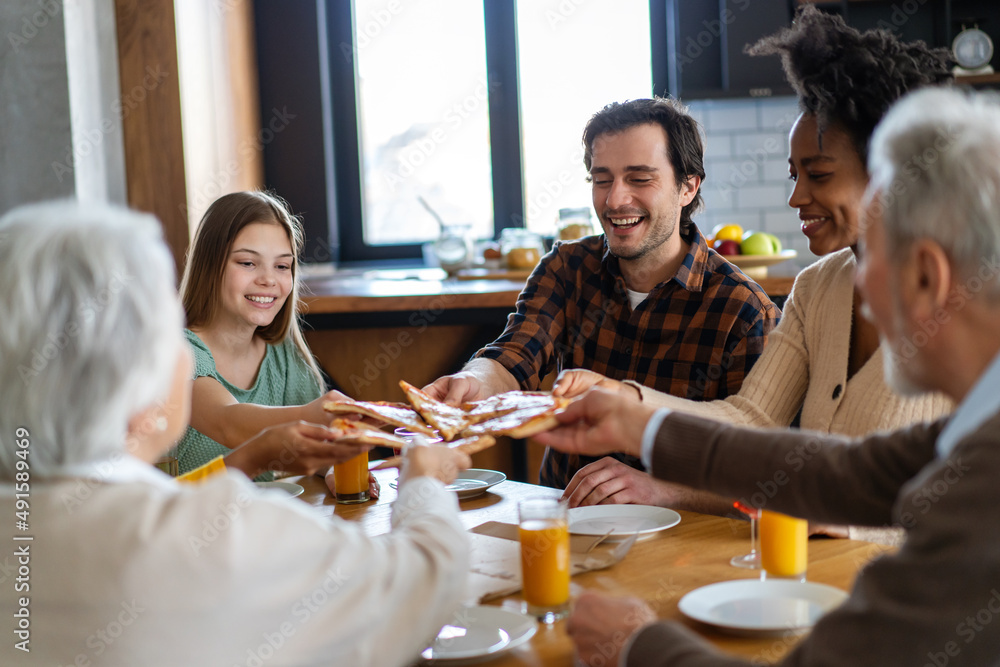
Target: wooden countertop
x=428, y=289
x=353, y=294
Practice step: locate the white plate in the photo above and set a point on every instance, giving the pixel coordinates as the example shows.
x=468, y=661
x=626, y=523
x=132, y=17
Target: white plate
x=472, y=482
x=289, y=488
x=755, y=607
x=480, y=632
x=621, y=520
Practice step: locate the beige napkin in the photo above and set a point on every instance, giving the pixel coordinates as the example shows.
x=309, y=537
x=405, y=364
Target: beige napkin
x=496, y=559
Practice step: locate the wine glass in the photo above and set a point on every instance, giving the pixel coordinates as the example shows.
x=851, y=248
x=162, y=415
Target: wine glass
x=750, y=561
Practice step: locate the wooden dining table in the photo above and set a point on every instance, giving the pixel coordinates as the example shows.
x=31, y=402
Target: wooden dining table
x=660, y=569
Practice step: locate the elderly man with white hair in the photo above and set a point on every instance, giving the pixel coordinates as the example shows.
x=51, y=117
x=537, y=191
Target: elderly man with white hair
x=109, y=561
x=930, y=277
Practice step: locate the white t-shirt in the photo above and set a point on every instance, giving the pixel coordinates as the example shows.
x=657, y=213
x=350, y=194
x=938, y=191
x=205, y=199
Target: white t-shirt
x=635, y=298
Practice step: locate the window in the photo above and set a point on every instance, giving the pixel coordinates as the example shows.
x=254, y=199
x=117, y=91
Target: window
x=423, y=119
x=573, y=58
x=477, y=107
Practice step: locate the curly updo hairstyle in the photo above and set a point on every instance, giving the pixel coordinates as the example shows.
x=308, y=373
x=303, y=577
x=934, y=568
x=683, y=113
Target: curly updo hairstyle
x=847, y=77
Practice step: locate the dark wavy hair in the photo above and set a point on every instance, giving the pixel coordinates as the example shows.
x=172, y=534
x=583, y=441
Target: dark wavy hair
x=684, y=145
x=847, y=77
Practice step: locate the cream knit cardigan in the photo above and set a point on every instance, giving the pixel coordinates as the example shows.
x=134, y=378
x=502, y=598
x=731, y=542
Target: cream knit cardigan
x=805, y=365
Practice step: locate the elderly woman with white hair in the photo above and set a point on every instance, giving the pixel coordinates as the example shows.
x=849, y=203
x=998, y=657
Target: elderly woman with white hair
x=118, y=563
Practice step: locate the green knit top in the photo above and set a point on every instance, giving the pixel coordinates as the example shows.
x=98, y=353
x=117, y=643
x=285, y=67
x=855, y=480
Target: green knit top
x=283, y=379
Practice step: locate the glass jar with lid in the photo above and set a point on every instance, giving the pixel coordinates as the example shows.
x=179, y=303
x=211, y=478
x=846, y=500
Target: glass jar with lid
x=521, y=249
x=574, y=223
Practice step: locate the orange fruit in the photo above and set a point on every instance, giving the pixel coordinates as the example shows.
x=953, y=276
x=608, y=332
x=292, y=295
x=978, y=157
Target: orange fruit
x=731, y=232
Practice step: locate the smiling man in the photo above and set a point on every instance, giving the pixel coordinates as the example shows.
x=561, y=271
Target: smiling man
x=930, y=278
x=646, y=301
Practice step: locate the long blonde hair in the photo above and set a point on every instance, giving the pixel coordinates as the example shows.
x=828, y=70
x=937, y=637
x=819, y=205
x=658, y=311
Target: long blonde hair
x=207, y=257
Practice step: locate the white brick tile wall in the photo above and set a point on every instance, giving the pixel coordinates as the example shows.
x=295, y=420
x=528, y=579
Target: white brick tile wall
x=776, y=170
x=726, y=117
x=782, y=222
x=699, y=111
x=746, y=160
x=718, y=199
x=720, y=145
x=760, y=146
x=777, y=114
x=759, y=196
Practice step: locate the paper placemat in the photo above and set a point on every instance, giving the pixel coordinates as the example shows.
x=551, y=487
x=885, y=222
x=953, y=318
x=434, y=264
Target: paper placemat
x=495, y=570
x=578, y=544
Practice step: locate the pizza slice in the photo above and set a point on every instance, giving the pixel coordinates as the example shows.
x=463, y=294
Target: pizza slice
x=357, y=431
x=449, y=420
x=397, y=414
x=505, y=403
x=522, y=423
x=471, y=445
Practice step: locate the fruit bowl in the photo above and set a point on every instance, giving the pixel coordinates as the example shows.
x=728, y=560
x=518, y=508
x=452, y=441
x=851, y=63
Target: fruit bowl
x=755, y=266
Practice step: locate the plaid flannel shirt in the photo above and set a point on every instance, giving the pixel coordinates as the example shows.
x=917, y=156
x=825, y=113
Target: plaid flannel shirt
x=696, y=335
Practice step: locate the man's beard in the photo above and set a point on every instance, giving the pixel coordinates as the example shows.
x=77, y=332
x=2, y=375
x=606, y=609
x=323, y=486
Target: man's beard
x=893, y=364
x=657, y=235
x=895, y=376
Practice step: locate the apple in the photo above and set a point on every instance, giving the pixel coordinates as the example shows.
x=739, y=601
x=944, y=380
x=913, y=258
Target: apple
x=760, y=243
x=726, y=247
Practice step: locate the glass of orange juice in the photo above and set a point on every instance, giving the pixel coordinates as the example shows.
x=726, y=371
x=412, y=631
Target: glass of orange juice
x=544, y=533
x=784, y=543
x=351, y=479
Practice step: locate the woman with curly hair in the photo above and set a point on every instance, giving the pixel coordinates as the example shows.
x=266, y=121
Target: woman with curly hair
x=824, y=359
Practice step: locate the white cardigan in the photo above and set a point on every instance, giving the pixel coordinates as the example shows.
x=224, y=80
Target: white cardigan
x=805, y=365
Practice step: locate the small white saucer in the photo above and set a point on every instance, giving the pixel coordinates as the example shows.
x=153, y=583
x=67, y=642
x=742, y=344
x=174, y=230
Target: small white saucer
x=288, y=487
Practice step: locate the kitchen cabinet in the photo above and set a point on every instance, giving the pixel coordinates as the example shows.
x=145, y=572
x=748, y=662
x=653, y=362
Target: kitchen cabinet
x=705, y=39
x=705, y=42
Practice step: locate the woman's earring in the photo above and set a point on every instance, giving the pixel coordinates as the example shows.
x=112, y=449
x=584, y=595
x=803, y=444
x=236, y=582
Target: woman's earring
x=161, y=424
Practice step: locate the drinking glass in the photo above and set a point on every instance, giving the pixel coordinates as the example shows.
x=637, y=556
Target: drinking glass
x=168, y=462
x=750, y=561
x=784, y=544
x=413, y=437
x=543, y=530
x=351, y=479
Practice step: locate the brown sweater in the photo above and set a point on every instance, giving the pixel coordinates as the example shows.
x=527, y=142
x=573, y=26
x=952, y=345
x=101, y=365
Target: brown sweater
x=931, y=603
